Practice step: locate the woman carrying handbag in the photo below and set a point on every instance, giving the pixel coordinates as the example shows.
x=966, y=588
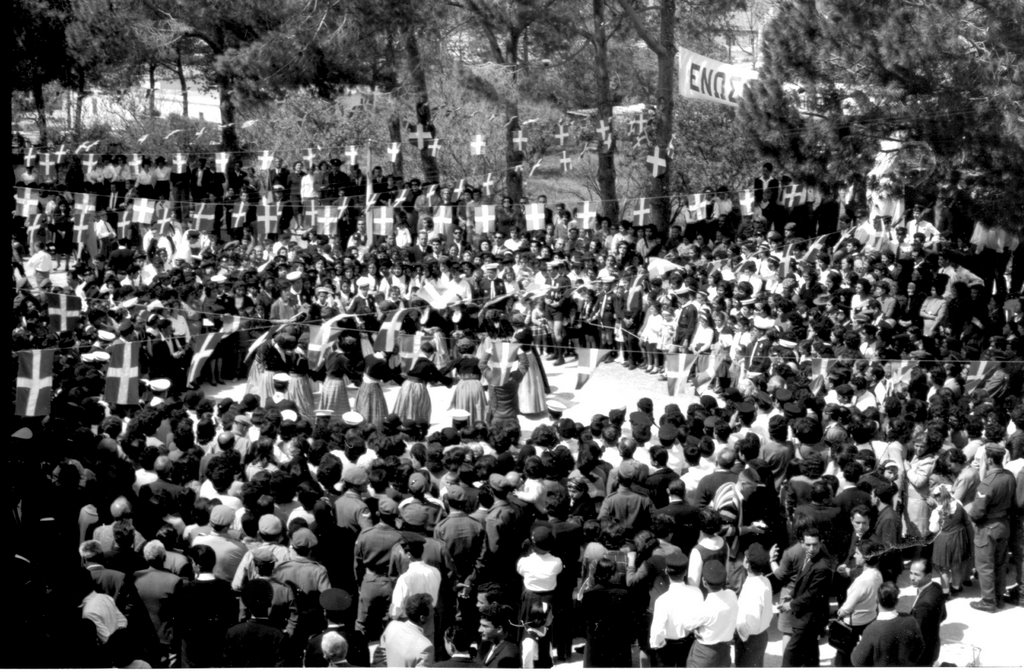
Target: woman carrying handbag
x=861, y=605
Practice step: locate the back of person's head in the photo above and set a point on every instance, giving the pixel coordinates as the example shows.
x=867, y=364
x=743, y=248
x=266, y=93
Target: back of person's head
x=872, y=552
x=726, y=459
x=334, y=647
x=888, y=596
x=709, y=521
x=821, y=493
x=417, y=607
x=778, y=428
x=749, y=447
x=154, y=553
x=90, y=550
x=204, y=556
x=604, y=571
x=257, y=597
x=677, y=488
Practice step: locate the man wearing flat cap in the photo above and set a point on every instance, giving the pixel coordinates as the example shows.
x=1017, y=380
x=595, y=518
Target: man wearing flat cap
x=372, y=560
x=229, y=550
x=992, y=513
x=308, y=578
x=337, y=607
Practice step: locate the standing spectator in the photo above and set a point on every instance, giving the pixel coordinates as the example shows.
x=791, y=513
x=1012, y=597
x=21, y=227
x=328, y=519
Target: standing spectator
x=207, y=607
x=893, y=640
x=861, y=604
x=755, y=609
x=991, y=515
x=716, y=624
x=929, y=608
x=255, y=643
x=670, y=636
x=403, y=641
x=608, y=613
x=951, y=548
x=808, y=604
x=158, y=589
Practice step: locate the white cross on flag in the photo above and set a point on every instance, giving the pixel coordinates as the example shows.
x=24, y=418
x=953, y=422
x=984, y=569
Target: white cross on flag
x=504, y=358
x=266, y=160
x=534, y=217
x=65, y=311
x=204, y=217
x=319, y=336
x=47, y=167
x=488, y=184
x=677, y=370
x=231, y=324
x=419, y=136
x=83, y=224
x=34, y=226
x=310, y=157
x=134, y=164
x=180, y=163
x=586, y=216
x=220, y=161
x=267, y=214
x=382, y=220
x=30, y=156
x=561, y=135
x=589, y=359
x=34, y=383
x=977, y=374
x=443, y=219
x=518, y=139
x=387, y=336
x=353, y=154
x=659, y=164
x=485, y=218
x=26, y=201
x=124, y=224
x=794, y=195
x=143, y=210
x=239, y=214
x=394, y=149
x=478, y=145
x=747, y=202
x=697, y=205
x=327, y=217
x=123, y=374
x=203, y=345
x=641, y=211
x=433, y=147
x=85, y=202
x=566, y=162
x=89, y=162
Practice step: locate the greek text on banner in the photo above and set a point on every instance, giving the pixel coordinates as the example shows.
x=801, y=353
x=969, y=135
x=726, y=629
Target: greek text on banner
x=707, y=79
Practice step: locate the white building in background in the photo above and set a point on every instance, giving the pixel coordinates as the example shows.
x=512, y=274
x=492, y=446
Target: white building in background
x=121, y=108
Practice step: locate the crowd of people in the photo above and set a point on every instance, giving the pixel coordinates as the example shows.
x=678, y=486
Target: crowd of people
x=856, y=421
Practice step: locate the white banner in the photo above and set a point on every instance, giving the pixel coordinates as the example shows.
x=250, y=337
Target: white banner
x=707, y=79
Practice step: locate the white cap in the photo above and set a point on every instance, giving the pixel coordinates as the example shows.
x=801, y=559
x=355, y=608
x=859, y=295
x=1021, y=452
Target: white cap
x=156, y=401
x=221, y=278
x=460, y=415
x=155, y=304
x=160, y=385
x=281, y=378
x=761, y=322
x=23, y=433
x=289, y=414
x=556, y=406
x=89, y=357
x=130, y=302
x=323, y=413
x=100, y=356
x=105, y=335
x=363, y=282
x=293, y=276
x=352, y=418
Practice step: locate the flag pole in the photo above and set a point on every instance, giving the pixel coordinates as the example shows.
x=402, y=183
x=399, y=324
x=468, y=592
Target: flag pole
x=366, y=210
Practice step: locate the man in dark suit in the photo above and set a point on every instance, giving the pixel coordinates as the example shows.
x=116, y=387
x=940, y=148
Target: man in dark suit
x=255, y=643
x=886, y=530
x=457, y=642
x=201, y=182
x=892, y=639
x=685, y=530
x=809, y=603
x=929, y=609
x=157, y=588
x=207, y=607
x=827, y=517
x=161, y=488
x=495, y=648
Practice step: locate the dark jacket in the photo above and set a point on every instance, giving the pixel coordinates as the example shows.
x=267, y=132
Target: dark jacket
x=255, y=643
x=930, y=611
x=893, y=643
x=506, y=655
x=811, y=586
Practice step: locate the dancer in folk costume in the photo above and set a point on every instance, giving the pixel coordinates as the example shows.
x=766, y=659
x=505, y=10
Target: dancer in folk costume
x=469, y=392
x=269, y=359
x=370, y=398
x=300, y=387
x=534, y=389
x=413, y=403
x=338, y=372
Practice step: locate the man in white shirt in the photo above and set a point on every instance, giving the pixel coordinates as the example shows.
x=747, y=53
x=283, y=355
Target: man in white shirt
x=716, y=625
x=671, y=633
x=38, y=266
x=418, y=578
x=755, y=609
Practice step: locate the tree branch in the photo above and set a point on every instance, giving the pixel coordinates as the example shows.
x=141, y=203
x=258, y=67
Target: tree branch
x=638, y=25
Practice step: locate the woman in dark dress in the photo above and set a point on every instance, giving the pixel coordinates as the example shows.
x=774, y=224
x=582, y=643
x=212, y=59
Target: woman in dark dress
x=609, y=620
x=469, y=392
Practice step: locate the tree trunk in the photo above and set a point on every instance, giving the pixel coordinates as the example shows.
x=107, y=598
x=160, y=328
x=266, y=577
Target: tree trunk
x=228, y=132
x=605, y=160
x=661, y=210
x=418, y=77
x=152, y=89
x=513, y=157
x=181, y=79
x=40, y=101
